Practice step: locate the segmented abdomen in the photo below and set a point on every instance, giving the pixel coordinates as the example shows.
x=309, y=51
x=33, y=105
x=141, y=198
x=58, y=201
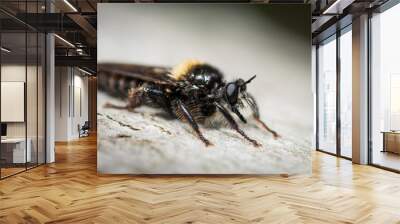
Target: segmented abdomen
x=115, y=84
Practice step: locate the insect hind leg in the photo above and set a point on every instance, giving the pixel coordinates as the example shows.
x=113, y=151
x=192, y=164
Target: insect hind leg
x=135, y=99
x=113, y=106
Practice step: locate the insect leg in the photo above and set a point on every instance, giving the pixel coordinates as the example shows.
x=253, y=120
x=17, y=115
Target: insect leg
x=256, y=114
x=190, y=119
x=234, y=125
x=276, y=135
x=135, y=99
x=111, y=105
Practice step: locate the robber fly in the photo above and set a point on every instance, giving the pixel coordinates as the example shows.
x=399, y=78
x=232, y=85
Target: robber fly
x=191, y=92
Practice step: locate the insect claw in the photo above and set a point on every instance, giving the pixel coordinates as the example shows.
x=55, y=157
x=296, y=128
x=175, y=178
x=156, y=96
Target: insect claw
x=276, y=135
x=207, y=143
x=256, y=144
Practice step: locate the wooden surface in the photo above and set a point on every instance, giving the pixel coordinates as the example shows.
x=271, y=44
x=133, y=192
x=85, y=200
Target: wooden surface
x=70, y=191
x=7, y=171
x=145, y=142
x=386, y=159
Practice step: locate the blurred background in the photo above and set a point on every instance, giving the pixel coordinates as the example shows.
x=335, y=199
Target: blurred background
x=240, y=39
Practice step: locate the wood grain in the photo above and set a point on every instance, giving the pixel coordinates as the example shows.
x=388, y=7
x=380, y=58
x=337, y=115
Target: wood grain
x=70, y=191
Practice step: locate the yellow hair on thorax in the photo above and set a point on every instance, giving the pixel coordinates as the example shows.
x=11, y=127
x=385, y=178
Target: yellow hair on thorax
x=180, y=71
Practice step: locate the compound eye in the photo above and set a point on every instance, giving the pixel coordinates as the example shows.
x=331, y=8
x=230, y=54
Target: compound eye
x=232, y=93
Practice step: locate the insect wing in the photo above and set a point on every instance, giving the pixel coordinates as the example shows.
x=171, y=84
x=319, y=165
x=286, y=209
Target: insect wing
x=156, y=74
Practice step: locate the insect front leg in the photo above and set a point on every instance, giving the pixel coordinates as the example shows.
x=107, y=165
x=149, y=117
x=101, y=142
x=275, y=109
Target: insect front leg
x=234, y=125
x=135, y=99
x=256, y=114
x=276, y=135
x=184, y=113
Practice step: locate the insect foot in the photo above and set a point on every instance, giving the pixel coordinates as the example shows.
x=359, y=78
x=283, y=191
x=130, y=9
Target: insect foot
x=256, y=144
x=276, y=135
x=207, y=143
